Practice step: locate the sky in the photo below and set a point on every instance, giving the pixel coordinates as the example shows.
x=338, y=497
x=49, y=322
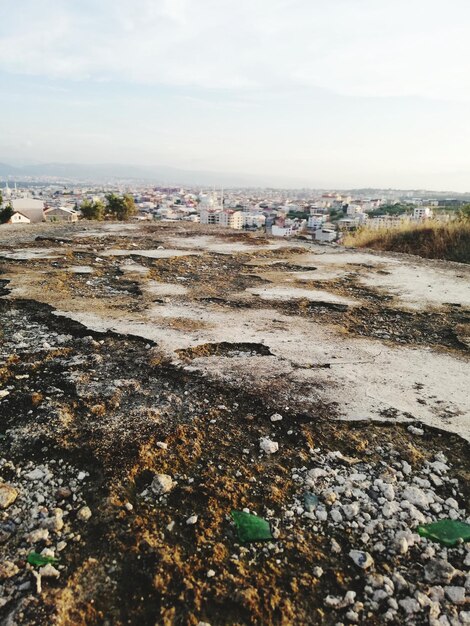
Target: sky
x=336, y=94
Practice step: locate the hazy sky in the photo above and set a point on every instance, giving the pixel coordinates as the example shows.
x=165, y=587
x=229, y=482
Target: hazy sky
x=333, y=93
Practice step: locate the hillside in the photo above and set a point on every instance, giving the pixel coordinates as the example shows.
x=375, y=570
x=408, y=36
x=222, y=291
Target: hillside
x=156, y=378
x=431, y=240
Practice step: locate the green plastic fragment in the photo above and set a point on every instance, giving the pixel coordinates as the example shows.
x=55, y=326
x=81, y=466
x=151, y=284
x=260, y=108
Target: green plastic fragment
x=311, y=501
x=38, y=560
x=449, y=532
x=251, y=527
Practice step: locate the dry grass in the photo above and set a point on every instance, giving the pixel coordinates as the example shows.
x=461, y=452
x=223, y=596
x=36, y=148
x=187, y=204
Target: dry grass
x=432, y=240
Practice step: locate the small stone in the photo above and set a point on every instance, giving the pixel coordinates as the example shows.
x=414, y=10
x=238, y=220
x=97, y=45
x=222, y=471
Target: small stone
x=81, y=475
x=192, y=520
x=170, y=526
x=63, y=493
x=455, y=594
x=439, y=571
x=8, y=495
x=8, y=569
x=351, y=510
x=409, y=605
x=335, y=547
x=277, y=417
x=35, y=474
x=161, y=484
x=415, y=431
x=49, y=571
x=210, y=573
x=268, y=446
x=317, y=572
x=361, y=559
x=84, y=514
x=162, y=445
x=401, y=545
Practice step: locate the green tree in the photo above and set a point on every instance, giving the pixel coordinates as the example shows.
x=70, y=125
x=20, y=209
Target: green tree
x=121, y=207
x=464, y=213
x=6, y=213
x=1, y=198
x=92, y=210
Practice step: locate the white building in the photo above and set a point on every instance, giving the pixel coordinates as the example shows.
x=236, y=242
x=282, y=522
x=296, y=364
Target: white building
x=256, y=220
x=316, y=221
x=231, y=219
x=30, y=208
x=325, y=234
x=422, y=213
x=19, y=218
x=280, y=231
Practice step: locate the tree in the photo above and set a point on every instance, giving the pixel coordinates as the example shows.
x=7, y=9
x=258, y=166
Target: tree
x=6, y=213
x=121, y=207
x=1, y=198
x=92, y=210
x=464, y=213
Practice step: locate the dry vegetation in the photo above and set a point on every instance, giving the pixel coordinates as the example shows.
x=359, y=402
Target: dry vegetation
x=432, y=240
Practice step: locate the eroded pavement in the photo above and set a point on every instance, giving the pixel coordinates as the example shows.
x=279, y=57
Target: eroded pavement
x=133, y=350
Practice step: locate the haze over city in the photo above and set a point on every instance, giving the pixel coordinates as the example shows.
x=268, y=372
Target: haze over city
x=339, y=94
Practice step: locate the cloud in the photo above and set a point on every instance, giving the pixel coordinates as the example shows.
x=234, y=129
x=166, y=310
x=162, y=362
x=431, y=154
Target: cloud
x=351, y=47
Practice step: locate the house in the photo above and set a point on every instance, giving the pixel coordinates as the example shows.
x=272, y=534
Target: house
x=279, y=231
x=30, y=208
x=325, y=234
x=19, y=218
x=60, y=214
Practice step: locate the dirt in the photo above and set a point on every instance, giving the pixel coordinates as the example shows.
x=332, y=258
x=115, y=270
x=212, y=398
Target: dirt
x=102, y=402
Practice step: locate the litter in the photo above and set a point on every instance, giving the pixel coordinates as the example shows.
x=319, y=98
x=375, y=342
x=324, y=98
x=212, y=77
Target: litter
x=449, y=532
x=38, y=560
x=251, y=527
x=311, y=501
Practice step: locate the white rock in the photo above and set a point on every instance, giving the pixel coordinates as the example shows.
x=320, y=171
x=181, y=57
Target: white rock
x=409, y=605
x=277, y=417
x=84, y=514
x=210, y=573
x=464, y=617
x=162, y=445
x=335, y=547
x=336, y=516
x=35, y=474
x=317, y=572
x=455, y=594
x=49, y=571
x=161, y=484
x=414, y=430
x=452, y=503
x=416, y=496
x=192, y=520
x=268, y=446
x=351, y=510
x=401, y=545
x=361, y=559
x=81, y=475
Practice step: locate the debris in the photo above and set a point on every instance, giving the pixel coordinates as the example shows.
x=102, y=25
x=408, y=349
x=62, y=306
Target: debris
x=161, y=484
x=49, y=571
x=449, y=532
x=268, y=446
x=251, y=527
x=311, y=501
x=361, y=559
x=84, y=513
x=39, y=560
x=8, y=495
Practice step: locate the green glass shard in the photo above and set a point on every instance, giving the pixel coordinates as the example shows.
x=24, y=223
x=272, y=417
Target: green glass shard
x=311, y=501
x=251, y=527
x=38, y=560
x=449, y=532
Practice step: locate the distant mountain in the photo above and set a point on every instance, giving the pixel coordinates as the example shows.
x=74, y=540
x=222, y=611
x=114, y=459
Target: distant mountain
x=156, y=174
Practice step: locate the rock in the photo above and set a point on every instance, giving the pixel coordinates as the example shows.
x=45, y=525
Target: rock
x=335, y=547
x=351, y=510
x=210, y=573
x=8, y=569
x=401, y=545
x=49, y=571
x=81, y=476
x=317, y=572
x=464, y=617
x=162, y=445
x=161, y=484
x=8, y=495
x=35, y=474
x=455, y=594
x=415, y=431
x=361, y=559
x=192, y=520
x=416, y=496
x=268, y=446
x=409, y=605
x=63, y=493
x=84, y=514
x=439, y=571
x=40, y=534
x=336, y=516
x=277, y=417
